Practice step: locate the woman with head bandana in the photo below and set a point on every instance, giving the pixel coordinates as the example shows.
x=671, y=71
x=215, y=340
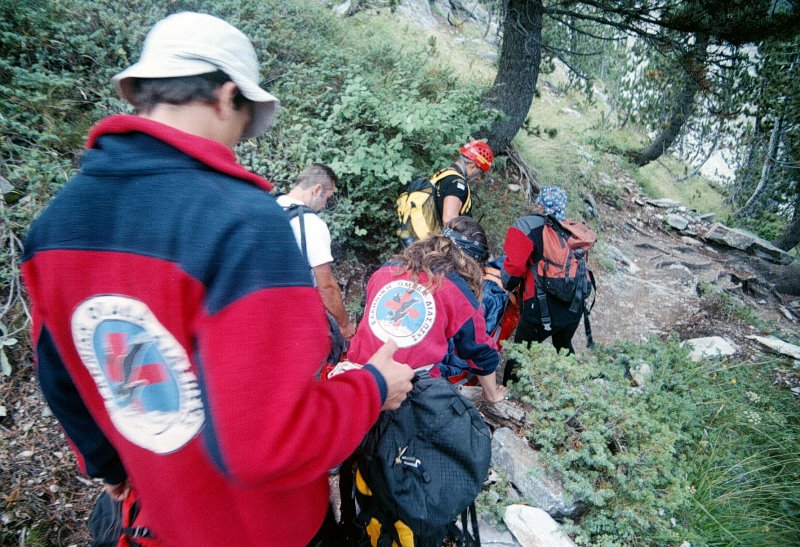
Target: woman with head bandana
x=427, y=300
x=523, y=249
x=427, y=297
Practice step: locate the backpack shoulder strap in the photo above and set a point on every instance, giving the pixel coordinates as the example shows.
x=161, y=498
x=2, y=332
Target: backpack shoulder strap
x=450, y=172
x=298, y=210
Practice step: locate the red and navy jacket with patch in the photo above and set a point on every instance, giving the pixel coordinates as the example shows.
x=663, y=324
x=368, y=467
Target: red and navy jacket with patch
x=423, y=321
x=523, y=248
x=177, y=337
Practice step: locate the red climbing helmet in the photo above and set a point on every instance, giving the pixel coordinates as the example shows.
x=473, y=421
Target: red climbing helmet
x=480, y=153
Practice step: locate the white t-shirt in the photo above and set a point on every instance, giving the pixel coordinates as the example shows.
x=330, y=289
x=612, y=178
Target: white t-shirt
x=318, y=237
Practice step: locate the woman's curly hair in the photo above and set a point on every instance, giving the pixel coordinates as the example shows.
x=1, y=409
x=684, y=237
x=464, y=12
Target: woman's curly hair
x=437, y=256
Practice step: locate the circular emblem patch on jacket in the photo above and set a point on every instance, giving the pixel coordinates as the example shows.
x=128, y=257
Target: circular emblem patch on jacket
x=141, y=371
x=402, y=311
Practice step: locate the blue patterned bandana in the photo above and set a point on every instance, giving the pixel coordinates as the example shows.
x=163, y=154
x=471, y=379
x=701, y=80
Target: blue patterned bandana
x=553, y=200
x=473, y=249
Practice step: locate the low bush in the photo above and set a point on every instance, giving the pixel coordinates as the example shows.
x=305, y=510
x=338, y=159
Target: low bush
x=671, y=460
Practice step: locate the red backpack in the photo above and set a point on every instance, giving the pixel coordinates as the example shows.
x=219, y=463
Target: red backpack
x=560, y=267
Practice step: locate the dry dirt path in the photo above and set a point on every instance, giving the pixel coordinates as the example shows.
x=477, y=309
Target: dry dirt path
x=654, y=284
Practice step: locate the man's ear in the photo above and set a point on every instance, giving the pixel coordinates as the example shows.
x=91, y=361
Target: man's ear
x=225, y=95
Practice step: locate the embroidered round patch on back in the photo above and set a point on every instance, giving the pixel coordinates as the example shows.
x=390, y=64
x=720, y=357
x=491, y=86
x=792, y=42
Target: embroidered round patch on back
x=141, y=370
x=402, y=311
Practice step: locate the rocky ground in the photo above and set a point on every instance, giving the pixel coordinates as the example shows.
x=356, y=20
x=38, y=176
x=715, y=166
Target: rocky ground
x=657, y=278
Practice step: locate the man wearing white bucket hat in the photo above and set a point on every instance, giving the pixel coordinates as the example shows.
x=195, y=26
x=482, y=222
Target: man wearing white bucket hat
x=176, y=328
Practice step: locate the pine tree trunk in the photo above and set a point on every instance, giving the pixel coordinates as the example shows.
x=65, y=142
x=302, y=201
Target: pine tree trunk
x=791, y=237
x=682, y=108
x=742, y=183
x=514, y=87
x=766, y=169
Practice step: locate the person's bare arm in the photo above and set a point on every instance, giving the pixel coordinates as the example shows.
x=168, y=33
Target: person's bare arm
x=451, y=208
x=332, y=298
x=492, y=393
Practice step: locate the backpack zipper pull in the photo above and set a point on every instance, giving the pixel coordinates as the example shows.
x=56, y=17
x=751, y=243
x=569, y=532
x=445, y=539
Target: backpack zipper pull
x=399, y=459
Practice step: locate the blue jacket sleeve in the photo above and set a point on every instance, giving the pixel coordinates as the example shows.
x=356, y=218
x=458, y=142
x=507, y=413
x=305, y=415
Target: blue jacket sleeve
x=100, y=459
x=476, y=347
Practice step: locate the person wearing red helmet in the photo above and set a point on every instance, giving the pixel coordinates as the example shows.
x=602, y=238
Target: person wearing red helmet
x=454, y=197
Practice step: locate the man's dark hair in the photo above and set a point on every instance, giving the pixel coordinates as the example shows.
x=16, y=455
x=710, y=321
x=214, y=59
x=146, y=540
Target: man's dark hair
x=317, y=173
x=148, y=92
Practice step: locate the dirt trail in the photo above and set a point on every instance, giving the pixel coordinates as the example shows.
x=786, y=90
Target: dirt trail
x=653, y=287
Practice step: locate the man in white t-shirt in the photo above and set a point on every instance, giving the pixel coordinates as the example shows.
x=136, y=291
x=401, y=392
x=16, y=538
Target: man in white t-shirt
x=314, y=187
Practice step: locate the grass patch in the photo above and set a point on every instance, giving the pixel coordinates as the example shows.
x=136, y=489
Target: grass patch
x=664, y=179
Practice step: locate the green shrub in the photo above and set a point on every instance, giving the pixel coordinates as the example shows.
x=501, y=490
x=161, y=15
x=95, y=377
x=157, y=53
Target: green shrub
x=631, y=453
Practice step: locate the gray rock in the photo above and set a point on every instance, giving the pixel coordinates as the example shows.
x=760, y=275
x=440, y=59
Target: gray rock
x=619, y=256
x=708, y=217
x=641, y=373
x=494, y=414
x=787, y=313
x=5, y=186
x=532, y=527
x=524, y=469
x=777, y=345
x=710, y=347
x=745, y=241
x=492, y=535
x=571, y=112
x=664, y=203
x=591, y=205
x=342, y=9
x=677, y=221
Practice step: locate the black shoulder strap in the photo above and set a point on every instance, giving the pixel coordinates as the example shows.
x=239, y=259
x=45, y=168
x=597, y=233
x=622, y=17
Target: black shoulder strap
x=298, y=210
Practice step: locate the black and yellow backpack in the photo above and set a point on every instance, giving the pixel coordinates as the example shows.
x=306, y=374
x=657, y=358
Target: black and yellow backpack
x=417, y=212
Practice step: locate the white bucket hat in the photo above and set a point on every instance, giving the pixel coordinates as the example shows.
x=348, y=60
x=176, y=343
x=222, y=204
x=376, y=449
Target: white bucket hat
x=188, y=44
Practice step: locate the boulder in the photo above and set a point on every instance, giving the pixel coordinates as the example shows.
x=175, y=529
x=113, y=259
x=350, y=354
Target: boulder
x=492, y=535
x=533, y=527
x=677, y=221
x=710, y=347
x=745, y=241
x=527, y=473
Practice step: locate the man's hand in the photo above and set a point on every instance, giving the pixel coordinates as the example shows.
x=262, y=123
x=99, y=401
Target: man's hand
x=397, y=376
x=118, y=492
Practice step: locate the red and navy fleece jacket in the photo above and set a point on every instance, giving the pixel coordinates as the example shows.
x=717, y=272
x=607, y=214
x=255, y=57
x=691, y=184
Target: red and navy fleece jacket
x=523, y=248
x=177, y=337
x=422, y=321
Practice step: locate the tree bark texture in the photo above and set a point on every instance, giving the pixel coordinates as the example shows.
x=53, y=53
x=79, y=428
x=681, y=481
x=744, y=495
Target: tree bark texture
x=515, y=85
x=766, y=169
x=682, y=108
x=784, y=279
x=791, y=237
